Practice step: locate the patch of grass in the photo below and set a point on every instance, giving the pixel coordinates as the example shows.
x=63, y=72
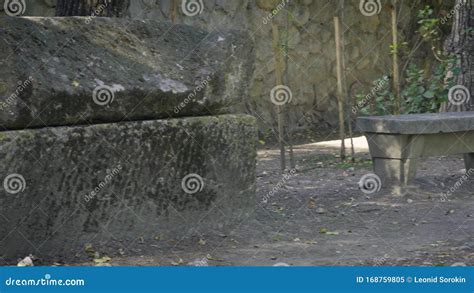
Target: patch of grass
x=357, y=162
x=334, y=161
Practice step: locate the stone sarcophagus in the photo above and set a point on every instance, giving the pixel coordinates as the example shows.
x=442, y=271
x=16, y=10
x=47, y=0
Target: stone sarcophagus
x=115, y=131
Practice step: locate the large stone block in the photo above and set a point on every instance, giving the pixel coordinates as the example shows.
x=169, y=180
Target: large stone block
x=114, y=185
x=81, y=70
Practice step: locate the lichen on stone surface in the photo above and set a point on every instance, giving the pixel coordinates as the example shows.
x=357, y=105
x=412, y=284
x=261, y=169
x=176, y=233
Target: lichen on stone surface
x=134, y=64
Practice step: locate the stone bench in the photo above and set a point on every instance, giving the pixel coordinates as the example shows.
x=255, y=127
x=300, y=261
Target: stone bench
x=397, y=143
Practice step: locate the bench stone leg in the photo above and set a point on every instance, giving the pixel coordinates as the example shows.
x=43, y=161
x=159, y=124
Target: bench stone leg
x=398, y=173
x=395, y=158
x=469, y=161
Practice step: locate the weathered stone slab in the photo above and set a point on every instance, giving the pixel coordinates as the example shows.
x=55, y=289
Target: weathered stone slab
x=418, y=123
x=113, y=185
x=77, y=70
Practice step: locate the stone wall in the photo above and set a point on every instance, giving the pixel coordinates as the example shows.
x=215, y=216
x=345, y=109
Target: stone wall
x=311, y=60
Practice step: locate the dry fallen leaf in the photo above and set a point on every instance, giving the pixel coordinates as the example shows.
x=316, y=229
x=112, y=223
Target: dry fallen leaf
x=320, y=211
x=311, y=203
x=101, y=260
x=327, y=232
x=88, y=248
x=332, y=233
x=179, y=262
x=26, y=262
x=210, y=257
x=281, y=264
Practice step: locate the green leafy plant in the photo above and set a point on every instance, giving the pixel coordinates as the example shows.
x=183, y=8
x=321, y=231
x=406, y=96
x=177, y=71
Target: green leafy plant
x=423, y=94
x=429, y=26
x=380, y=101
x=422, y=91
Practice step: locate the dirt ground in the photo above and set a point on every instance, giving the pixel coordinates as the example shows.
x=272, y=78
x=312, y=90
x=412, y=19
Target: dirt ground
x=319, y=216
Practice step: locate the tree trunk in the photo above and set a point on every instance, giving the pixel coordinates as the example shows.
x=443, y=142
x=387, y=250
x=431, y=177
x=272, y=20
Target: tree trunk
x=279, y=81
x=108, y=8
x=461, y=44
x=340, y=90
